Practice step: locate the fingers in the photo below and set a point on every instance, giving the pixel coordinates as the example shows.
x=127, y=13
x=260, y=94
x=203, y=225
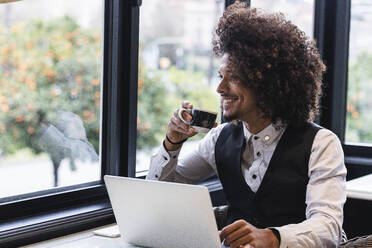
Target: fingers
x=238, y=237
x=242, y=240
x=237, y=234
x=231, y=228
x=186, y=115
x=177, y=125
x=187, y=105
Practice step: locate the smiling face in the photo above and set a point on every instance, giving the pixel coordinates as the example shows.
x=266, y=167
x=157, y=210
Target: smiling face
x=237, y=101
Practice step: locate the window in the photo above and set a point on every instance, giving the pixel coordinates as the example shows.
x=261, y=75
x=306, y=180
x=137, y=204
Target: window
x=50, y=84
x=176, y=63
x=103, y=28
x=300, y=12
x=339, y=33
x=358, y=117
x=172, y=42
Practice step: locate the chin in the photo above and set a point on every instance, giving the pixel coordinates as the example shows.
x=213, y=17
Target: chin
x=229, y=117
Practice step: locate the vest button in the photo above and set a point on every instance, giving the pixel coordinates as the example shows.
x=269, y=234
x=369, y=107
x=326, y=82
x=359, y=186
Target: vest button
x=254, y=176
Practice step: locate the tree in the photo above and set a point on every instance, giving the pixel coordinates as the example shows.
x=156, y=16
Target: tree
x=153, y=106
x=46, y=68
x=50, y=70
x=359, y=104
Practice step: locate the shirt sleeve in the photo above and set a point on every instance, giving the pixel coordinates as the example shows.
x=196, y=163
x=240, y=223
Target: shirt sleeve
x=325, y=197
x=193, y=167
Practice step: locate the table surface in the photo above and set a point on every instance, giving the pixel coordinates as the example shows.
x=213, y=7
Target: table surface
x=360, y=188
x=85, y=239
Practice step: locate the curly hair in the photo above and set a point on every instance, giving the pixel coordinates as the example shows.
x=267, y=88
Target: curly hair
x=271, y=56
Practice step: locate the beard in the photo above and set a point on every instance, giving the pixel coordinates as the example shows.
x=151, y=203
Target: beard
x=227, y=117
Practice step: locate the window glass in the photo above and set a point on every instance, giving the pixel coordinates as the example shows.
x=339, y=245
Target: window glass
x=175, y=64
x=300, y=12
x=359, y=102
x=50, y=94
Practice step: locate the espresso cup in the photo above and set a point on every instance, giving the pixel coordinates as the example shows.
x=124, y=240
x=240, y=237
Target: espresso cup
x=202, y=120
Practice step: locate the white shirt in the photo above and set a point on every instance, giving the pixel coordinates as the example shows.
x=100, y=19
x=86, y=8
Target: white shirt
x=325, y=194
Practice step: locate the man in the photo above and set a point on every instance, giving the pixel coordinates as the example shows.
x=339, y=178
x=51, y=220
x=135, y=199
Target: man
x=283, y=176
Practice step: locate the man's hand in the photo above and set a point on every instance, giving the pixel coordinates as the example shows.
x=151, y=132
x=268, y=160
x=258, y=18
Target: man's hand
x=177, y=129
x=242, y=234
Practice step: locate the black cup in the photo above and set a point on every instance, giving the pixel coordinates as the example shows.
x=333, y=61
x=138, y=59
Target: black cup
x=202, y=120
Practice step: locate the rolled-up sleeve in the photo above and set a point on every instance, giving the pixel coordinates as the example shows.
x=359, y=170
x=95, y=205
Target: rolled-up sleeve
x=193, y=167
x=325, y=197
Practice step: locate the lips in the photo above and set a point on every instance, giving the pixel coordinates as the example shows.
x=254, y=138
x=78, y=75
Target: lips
x=227, y=100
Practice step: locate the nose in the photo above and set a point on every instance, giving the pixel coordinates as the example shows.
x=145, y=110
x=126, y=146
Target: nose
x=221, y=86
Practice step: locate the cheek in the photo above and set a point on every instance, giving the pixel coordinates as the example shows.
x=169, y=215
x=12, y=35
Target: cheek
x=248, y=100
x=250, y=96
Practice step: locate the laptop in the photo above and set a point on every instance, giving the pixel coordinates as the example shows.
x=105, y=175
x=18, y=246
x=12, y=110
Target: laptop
x=161, y=214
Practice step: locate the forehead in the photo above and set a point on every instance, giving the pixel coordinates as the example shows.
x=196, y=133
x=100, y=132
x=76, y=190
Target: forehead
x=224, y=62
x=228, y=74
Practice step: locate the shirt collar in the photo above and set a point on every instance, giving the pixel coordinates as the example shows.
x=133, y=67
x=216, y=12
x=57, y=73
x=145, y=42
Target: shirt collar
x=267, y=135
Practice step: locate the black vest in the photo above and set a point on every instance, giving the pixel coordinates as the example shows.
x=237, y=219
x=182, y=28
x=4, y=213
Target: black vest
x=280, y=199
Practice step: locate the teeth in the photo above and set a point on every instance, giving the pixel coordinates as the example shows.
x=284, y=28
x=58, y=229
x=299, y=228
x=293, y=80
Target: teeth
x=230, y=99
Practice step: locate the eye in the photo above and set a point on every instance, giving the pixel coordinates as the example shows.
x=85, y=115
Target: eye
x=220, y=75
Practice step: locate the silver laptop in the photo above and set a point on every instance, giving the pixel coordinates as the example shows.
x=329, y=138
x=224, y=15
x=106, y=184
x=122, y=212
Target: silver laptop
x=161, y=214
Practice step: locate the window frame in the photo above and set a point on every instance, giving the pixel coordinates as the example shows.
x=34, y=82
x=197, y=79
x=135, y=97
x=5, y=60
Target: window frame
x=331, y=31
x=35, y=217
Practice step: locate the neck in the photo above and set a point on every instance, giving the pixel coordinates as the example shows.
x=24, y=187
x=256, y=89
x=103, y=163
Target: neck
x=257, y=125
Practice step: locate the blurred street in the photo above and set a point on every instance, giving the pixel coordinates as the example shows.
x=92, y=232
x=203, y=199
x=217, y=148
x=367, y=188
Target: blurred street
x=37, y=174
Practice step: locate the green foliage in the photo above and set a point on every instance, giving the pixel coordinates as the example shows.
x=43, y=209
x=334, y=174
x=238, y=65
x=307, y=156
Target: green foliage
x=190, y=86
x=160, y=94
x=46, y=67
x=153, y=109
x=359, y=102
